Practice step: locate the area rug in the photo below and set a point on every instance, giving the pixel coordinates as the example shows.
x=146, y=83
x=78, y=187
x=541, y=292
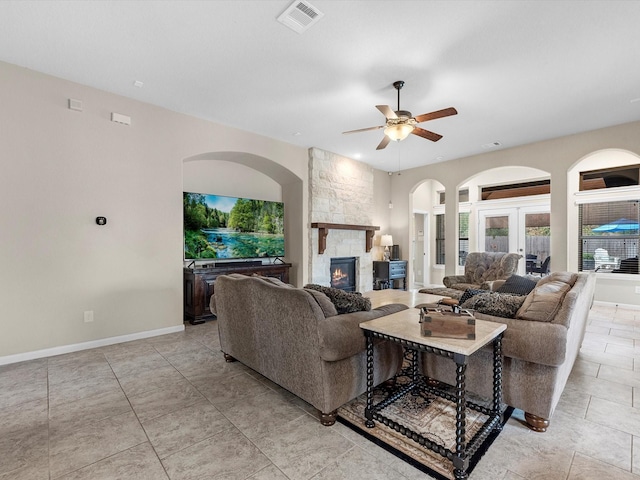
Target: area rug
x=427, y=414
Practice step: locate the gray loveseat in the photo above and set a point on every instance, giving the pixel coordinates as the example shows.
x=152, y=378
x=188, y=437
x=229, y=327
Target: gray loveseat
x=539, y=347
x=296, y=339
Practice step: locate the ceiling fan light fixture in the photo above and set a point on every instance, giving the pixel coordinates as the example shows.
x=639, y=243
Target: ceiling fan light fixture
x=398, y=132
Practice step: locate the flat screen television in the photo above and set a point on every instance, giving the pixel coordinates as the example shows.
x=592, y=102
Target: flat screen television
x=219, y=227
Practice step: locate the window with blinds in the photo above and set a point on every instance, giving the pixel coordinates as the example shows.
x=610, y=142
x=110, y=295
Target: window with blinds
x=440, y=239
x=609, y=236
x=463, y=237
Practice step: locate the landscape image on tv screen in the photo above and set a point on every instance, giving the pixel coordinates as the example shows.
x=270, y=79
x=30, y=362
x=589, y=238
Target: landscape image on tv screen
x=218, y=227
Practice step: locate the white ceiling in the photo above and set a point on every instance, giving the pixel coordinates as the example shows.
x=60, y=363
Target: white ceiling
x=517, y=71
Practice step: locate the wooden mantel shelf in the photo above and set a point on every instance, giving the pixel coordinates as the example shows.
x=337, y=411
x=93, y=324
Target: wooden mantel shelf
x=323, y=230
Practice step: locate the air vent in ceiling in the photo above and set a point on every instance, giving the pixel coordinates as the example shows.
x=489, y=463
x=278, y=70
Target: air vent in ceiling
x=300, y=16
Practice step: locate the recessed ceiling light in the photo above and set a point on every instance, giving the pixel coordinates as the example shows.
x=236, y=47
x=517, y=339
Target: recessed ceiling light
x=491, y=145
x=357, y=156
x=635, y=100
x=138, y=84
x=296, y=134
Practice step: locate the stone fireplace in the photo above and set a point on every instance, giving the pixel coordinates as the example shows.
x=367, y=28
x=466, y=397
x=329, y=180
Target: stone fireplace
x=341, y=192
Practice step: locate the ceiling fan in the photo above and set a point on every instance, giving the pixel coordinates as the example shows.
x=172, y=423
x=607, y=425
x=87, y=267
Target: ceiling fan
x=401, y=123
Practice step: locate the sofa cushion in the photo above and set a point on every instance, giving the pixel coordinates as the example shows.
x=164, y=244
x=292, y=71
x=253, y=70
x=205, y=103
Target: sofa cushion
x=494, y=303
x=544, y=301
x=328, y=308
x=345, y=302
x=537, y=342
x=518, y=285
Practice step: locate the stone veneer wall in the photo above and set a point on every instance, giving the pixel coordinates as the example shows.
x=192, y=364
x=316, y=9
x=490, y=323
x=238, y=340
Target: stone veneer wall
x=340, y=191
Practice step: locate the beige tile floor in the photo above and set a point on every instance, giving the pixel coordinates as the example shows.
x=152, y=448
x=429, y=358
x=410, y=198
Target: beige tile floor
x=170, y=407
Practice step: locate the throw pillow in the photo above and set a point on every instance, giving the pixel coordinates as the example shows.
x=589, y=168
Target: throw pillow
x=517, y=285
x=503, y=305
x=545, y=301
x=345, y=302
x=468, y=293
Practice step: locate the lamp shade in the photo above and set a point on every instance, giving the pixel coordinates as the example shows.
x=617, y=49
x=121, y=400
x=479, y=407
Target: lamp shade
x=398, y=132
x=386, y=240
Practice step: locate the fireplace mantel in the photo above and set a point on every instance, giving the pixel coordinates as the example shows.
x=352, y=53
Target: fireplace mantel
x=323, y=230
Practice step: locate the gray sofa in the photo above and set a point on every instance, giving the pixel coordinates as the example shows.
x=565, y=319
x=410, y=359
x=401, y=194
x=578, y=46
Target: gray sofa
x=295, y=338
x=539, y=347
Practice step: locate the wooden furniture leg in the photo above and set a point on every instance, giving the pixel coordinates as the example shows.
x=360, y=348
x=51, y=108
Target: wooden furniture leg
x=535, y=423
x=328, y=419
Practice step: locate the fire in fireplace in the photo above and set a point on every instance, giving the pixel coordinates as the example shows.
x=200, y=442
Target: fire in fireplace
x=343, y=273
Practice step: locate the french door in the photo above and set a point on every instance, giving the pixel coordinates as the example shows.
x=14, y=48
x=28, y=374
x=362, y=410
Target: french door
x=525, y=230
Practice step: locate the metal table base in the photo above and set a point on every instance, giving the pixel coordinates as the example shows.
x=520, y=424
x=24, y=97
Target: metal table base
x=463, y=450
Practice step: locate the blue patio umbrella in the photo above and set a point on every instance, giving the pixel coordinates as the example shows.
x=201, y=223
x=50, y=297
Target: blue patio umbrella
x=620, y=225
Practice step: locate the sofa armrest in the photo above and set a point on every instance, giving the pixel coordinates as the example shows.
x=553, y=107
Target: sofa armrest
x=341, y=336
x=453, y=279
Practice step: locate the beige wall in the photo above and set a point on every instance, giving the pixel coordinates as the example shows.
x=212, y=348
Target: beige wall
x=212, y=176
x=62, y=168
x=555, y=156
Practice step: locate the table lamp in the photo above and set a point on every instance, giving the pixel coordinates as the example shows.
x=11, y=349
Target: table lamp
x=386, y=241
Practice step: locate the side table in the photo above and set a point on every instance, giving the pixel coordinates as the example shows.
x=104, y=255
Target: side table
x=403, y=328
x=385, y=273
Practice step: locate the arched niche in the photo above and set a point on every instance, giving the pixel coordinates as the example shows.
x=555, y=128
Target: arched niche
x=248, y=175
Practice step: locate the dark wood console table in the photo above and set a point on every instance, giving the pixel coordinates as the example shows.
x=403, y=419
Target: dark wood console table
x=385, y=274
x=199, y=284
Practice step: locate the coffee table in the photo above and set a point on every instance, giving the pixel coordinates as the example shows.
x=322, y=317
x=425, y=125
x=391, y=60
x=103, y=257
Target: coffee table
x=403, y=328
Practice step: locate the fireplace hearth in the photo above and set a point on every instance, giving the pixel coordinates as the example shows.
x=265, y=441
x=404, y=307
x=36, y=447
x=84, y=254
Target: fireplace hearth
x=342, y=272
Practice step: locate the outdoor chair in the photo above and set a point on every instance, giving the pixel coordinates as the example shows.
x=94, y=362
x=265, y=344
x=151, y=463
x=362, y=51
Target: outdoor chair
x=628, y=265
x=603, y=261
x=543, y=269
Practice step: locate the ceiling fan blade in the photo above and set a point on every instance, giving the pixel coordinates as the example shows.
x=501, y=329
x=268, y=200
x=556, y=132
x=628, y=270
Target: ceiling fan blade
x=385, y=141
x=421, y=132
x=365, y=129
x=438, y=114
x=386, y=111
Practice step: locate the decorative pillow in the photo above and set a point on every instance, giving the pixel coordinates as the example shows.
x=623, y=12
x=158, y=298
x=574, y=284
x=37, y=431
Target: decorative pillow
x=517, y=285
x=503, y=305
x=544, y=301
x=345, y=302
x=468, y=293
x=328, y=308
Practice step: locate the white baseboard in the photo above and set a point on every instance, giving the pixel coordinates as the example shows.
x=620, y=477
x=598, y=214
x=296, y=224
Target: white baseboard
x=616, y=304
x=76, y=347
